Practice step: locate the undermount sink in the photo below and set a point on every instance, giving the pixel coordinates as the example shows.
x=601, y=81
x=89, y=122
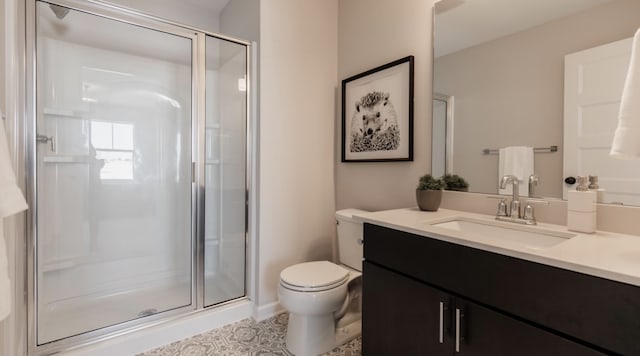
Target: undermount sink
x=531, y=237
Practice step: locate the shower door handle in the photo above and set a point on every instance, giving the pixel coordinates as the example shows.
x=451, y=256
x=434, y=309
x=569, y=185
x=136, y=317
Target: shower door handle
x=45, y=139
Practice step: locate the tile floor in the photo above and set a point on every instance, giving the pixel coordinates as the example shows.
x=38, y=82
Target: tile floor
x=244, y=338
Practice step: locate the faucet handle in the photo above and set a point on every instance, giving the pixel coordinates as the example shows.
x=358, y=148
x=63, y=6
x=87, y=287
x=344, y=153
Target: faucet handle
x=528, y=213
x=528, y=209
x=502, y=208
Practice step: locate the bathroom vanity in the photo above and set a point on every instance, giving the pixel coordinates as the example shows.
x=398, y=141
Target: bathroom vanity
x=432, y=288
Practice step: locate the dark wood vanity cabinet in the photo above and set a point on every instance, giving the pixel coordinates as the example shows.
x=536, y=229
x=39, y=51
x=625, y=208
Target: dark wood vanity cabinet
x=404, y=317
x=418, y=290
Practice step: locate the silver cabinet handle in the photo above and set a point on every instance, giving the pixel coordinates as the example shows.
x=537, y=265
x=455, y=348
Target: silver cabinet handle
x=458, y=330
x=360, y=242
x=441, y=330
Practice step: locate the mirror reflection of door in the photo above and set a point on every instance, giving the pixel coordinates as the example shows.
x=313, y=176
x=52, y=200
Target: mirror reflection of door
x=442, y=135
x=594, y=79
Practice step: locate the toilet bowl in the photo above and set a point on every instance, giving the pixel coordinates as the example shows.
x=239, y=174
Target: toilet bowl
x=323, y=298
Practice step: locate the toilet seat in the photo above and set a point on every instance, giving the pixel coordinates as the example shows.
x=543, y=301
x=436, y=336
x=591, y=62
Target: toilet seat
x=313, y=276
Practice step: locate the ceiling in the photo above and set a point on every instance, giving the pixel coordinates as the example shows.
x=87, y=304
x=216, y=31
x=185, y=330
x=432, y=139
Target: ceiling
x=213, y=6
x=461, y=24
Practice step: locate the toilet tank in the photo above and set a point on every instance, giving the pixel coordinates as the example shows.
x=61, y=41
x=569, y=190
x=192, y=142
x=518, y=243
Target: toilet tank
x=350, y=238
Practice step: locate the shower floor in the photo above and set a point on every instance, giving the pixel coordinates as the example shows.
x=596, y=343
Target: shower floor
x=245, y=338
x=84, y=314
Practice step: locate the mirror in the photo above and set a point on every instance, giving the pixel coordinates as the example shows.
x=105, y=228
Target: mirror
x=499, y=75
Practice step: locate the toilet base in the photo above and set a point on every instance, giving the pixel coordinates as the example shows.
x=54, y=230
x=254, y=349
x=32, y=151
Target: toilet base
x=310, y=335
x=315, y=335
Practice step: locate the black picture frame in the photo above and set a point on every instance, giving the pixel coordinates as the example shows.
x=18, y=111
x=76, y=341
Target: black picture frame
x=377, y=114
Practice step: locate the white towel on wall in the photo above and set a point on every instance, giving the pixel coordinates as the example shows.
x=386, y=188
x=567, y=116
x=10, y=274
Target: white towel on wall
x=517, y=161
x=11, y=202
x=626, y=141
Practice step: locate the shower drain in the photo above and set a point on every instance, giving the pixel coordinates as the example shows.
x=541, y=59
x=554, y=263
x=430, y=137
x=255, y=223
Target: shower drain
x=147, y=312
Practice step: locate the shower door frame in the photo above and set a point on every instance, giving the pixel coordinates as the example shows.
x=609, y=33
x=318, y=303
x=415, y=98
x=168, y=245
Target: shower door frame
x=198, y=87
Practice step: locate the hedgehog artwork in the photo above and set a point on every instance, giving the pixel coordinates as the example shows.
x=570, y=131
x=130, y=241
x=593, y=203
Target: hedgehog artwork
x=374, y=125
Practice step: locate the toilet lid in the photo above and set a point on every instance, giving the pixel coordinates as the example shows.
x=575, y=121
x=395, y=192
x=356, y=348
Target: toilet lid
x=315, y=274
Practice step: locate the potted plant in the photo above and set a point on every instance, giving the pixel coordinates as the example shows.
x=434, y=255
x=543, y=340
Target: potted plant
x=455, y=182
x=429, y=193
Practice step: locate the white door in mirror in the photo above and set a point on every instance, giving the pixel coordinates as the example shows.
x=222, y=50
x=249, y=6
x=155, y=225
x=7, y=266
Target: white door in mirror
x=593, y=82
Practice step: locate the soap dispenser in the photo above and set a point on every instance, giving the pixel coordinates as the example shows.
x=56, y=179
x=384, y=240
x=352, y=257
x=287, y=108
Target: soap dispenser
x=581, y=207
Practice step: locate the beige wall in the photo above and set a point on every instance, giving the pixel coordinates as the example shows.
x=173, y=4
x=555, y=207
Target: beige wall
x=3, y=107
x=390, y=30
x=510, y=91
x=241, y=19
x=298, y=65
x=302, y=49
x=3, y=349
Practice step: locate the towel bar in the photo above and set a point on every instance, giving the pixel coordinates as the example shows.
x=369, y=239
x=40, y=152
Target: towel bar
x=549, y=149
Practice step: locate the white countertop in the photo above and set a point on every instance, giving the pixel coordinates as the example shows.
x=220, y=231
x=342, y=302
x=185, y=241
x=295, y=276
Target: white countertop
x=602, y=254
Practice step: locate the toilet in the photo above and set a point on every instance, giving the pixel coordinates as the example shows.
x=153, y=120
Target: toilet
x=323, y=298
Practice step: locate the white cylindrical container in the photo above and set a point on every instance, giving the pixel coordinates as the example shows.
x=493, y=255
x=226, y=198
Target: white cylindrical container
x=600, y=194
x=593, y=185
x=581, y=208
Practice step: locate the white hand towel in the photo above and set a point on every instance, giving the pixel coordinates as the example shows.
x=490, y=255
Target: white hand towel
x=626, y=141
x=11, y=202
x=516, y=161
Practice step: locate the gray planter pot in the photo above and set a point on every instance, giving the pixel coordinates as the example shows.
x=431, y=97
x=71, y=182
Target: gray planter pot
x=428, y=200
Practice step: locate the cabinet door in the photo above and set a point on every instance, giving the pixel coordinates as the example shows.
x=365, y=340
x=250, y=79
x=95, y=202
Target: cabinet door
x=483, y=331
x=401, y=316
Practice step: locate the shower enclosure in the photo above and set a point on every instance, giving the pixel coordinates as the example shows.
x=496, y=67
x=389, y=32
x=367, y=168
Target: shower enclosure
x=138, y=168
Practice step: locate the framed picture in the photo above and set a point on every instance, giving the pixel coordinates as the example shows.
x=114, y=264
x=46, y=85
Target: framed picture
x=377, y=114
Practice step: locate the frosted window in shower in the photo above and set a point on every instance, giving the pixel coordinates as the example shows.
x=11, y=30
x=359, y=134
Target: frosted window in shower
x=113, y=144
x=114, y=193
x=225, y=165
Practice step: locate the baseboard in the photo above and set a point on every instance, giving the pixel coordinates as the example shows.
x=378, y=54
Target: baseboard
x=267, y=311
x=166, y=333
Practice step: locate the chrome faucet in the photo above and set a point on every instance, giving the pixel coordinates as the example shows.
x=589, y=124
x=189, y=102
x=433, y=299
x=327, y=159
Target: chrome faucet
x=513, y=214
x=514, y=207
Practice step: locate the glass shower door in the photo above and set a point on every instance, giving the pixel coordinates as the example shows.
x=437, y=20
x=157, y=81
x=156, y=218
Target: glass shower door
x=113, y=172
x=225, y=170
